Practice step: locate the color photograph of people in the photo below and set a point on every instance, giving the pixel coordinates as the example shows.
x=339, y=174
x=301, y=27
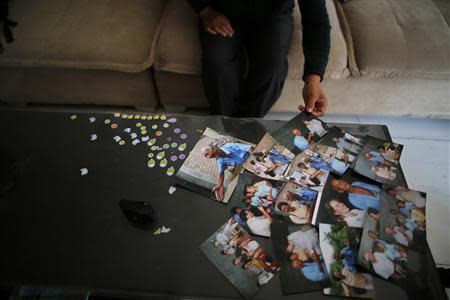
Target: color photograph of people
x=240, y=258
x=342, y=140
x=298, y=251
x=253, y=201
x=214, y=162
x=300, y=133
x=345, y=199
x=339, y=245
x=379, y=160
x=269, y=159
x=403, y=214
x=296, y=202
x=309, y=170
x=337, y=160
x=387, y=260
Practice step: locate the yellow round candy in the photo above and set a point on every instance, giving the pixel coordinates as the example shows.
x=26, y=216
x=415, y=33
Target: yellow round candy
x=144, y=132
x=121, y=142
x=163, y=117
x=73, y=117
x=138, y=124
x=166, y=125
x=154, y=126
x=150, y=155
x=107, y=121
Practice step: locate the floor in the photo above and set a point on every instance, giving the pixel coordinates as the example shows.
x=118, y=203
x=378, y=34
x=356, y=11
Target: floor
x=426, y=164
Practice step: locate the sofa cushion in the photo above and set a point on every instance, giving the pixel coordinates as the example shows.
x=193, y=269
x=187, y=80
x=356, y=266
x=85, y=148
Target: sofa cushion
x=407, y=38
x=179, y=51
x=101, y=34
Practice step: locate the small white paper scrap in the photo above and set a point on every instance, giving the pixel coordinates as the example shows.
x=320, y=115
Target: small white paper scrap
x=133, y=135
x=93, y=137
x=135, y=142
x=165, y=229
x=172, y=189
x=145, y=138
x=92, y=120
x=117, y=138
x=127, y=130
x=84, y=171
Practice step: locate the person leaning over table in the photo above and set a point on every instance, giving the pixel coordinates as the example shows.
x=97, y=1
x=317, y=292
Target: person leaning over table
x=228, y=155
x=263, y=28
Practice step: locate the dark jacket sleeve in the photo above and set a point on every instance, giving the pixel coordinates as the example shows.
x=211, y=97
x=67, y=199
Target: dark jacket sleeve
x=316, y=36
x=199, y=5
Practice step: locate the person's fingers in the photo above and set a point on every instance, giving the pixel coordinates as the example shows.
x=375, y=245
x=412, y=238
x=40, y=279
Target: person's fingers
x=301, y=108
x=229, y=28
x=310, y=103
x=225, y=29
x=210, y=30
x=220, y=31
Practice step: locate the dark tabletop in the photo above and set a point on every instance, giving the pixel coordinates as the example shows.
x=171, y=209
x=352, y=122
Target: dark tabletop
x=58, y=228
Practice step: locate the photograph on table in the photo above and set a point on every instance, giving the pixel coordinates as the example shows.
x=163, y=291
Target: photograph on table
x=296, y=203
x=300, y=132
x=345, y=199
x=387, y=260
x=298, y=252
x=338, y=161
x=213, y=166
x=240, y=258
x=403, y=216
x=252, y=202
x=344, y=141
x=379, y=160
x=308, y=169
x=269, y=159
x=339, y=245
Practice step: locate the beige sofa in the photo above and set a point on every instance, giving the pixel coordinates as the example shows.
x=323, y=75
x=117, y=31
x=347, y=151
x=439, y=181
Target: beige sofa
x=388, y=57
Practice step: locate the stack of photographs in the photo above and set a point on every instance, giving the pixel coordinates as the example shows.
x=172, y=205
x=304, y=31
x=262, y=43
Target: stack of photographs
x=335, y=205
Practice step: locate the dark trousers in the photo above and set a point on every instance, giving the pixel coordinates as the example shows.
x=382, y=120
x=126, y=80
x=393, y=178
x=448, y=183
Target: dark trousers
x=243, y=76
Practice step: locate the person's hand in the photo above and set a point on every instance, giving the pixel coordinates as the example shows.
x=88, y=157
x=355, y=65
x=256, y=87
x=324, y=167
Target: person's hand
x=315, y=100
x=219, y=192
x=216, y=23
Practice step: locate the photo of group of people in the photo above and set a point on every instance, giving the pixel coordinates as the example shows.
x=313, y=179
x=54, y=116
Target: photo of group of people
x=343, y=141
x=339, y=245
x=379, y=160
x=387, y=260
x=298, y=134
x=298, y=252
x=213, y=166
x=345, y=199
x=402, y=217
x=240, y=258
x=296, y=203
x=309, y=170
x=253, y=202
x=269, y=159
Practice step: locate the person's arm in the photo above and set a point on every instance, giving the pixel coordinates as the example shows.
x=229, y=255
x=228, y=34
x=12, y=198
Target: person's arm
x=316, y=36
x=316, y=48
x=199, y=5
x=266, y=215
x=218, y=189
